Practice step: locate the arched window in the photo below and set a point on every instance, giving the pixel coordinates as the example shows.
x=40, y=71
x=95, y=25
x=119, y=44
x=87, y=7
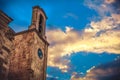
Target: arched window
x=41, y=20
x=40, y=54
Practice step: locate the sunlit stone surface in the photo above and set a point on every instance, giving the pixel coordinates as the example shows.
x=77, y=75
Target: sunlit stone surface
x=19, y=59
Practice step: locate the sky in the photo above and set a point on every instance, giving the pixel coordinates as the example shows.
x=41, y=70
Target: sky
x=84, y=36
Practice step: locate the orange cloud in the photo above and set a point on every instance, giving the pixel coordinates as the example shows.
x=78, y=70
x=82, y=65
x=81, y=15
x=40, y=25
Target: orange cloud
x=65, y=43
x=116, y=17
x=109, y=1
x=109, y=71
x=100, y=7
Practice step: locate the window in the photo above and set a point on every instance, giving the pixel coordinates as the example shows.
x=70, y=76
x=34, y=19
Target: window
x=40, y=54
x=40, y=23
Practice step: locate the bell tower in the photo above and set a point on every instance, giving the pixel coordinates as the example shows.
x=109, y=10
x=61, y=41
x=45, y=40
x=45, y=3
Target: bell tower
x=29, y=60
x=38, y=20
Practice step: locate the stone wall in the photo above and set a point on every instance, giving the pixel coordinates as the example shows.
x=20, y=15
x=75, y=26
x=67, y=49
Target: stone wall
x=19, y=58
x=39, y=65
x=25, y=63
x=6, y=45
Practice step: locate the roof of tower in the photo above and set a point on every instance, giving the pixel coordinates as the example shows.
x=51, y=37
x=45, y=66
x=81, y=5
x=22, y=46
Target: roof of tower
x=41, y=10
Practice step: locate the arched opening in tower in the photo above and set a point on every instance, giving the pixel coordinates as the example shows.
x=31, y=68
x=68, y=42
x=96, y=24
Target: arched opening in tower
x=41, y=24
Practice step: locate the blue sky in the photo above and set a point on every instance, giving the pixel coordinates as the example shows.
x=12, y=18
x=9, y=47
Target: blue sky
x=60, y=13
x=82, y=33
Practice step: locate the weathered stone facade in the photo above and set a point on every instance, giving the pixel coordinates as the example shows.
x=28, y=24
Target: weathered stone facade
x=6, y=45
x=20, y=50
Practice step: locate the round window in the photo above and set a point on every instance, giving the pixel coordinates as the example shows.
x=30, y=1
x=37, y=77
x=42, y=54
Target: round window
x=40, y=54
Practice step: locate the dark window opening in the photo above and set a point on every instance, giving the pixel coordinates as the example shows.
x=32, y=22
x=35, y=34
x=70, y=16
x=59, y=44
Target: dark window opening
x=1, y=52
x=40, y=23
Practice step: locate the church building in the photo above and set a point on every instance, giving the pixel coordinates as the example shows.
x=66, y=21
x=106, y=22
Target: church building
x=23, y=55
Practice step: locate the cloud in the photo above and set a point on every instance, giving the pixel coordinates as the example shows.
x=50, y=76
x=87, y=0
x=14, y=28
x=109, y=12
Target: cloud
x=109, y=1
x=70, y=15
x=65, y=43
x=99, y=6
x=116, y=18
x=100, y=36
x=107, y=23
x=49, y=77
x=76, y=75
x=103, y=7
x=109, y=71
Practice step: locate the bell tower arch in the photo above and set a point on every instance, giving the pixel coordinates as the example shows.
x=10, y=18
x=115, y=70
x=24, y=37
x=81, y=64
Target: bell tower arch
x=38, y=20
